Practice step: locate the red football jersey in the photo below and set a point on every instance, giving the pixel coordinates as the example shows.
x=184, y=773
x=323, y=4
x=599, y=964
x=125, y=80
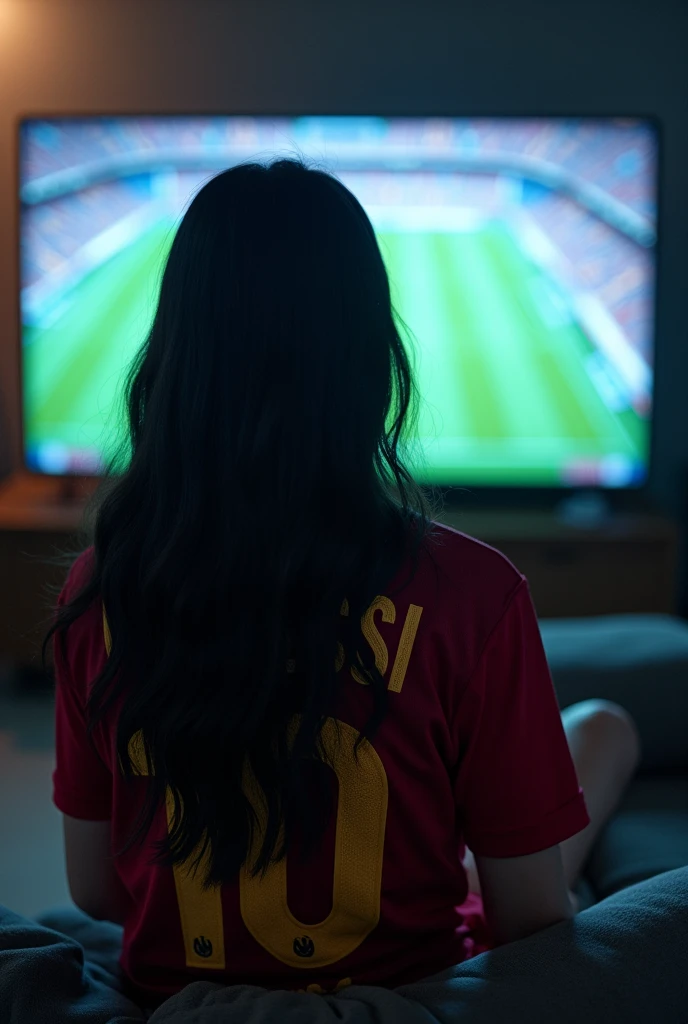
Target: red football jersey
x=472, y=751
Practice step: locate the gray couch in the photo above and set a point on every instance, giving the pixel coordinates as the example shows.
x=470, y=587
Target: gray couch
x=641, y=662
x=623, y=958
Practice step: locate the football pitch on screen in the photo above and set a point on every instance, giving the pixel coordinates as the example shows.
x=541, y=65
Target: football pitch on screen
x=501, y=366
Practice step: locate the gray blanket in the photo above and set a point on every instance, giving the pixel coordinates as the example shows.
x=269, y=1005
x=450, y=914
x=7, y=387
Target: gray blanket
x=623, y=959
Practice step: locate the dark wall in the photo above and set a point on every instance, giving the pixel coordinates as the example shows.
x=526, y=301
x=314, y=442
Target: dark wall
x=445, y=56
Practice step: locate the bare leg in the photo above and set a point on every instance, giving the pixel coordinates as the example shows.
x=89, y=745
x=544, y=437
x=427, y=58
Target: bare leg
x=471, y=871
x=605, y=748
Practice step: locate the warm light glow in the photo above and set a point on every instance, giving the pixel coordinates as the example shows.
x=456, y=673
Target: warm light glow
x=10, y=15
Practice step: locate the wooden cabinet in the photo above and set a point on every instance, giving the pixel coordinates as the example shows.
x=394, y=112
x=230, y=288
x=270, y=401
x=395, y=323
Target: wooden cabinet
x=36, y=523
x=626, y=565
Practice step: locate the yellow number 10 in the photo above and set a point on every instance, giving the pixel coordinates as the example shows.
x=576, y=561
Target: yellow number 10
x=361, y=819
x=360, y=826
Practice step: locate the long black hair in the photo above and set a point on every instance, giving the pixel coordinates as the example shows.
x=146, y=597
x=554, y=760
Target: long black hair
x=259, y=487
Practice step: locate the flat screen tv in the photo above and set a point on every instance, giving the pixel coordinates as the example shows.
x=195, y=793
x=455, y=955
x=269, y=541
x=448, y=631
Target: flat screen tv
x=521, y=254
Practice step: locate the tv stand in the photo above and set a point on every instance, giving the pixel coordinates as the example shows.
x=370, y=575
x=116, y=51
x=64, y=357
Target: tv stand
x=33, y=503
x=580, y=559
x=583, y=558
x=69, y=491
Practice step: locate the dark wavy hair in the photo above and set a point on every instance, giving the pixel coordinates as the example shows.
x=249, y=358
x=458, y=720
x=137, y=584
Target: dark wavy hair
x=259, y=485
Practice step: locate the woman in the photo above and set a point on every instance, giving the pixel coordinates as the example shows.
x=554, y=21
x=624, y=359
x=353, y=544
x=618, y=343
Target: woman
x=287, y=697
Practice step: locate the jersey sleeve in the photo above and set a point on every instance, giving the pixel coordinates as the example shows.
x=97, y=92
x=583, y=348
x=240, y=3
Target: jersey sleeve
x=516, y=788
x=82, y=783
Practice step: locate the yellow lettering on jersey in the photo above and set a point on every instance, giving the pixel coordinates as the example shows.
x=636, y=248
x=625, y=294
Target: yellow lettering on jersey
x=408, y=636
x=379, y=648
x=361, y=822
x=106, y=630
x=360, y=826
x=200, y=912
x=375, y=641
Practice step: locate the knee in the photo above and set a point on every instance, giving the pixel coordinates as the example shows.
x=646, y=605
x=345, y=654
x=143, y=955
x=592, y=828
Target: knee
x=613, y=726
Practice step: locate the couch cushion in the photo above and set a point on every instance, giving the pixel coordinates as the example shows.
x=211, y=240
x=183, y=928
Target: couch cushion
x=639, y=661
x=647, y=835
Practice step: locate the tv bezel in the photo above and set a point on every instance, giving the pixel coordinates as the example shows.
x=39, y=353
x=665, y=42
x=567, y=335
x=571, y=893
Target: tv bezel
x=627, y=498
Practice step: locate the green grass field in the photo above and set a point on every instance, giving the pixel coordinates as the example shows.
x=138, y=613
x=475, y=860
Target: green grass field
x=505, y=394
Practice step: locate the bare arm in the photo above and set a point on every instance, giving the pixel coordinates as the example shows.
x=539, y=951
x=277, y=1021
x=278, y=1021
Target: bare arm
x=522, y=895
x=94, y=883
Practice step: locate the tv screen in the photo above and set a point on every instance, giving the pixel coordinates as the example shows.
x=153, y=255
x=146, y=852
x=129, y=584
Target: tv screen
x=521, y=256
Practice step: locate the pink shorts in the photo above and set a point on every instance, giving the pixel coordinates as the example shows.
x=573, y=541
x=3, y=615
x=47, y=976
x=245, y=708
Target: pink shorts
x=477, y=938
